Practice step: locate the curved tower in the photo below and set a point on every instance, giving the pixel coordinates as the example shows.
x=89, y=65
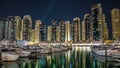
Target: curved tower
x=76, y=30
x=97, y=21
x=26, y=27
x=18, y=27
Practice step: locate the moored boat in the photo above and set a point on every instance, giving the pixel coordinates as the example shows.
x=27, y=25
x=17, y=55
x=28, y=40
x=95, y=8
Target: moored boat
x=42, y=51
x=102, y=52
x=113, y=51
x=64, y=48
x=8, y=56
x=23, y=53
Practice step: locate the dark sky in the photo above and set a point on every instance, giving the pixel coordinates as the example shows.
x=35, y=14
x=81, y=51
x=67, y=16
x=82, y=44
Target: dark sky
x=46, y=10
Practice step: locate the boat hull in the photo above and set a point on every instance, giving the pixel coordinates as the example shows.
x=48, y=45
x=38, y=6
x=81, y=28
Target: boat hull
x=24, y=53
x=102, y=52
x=9, y=57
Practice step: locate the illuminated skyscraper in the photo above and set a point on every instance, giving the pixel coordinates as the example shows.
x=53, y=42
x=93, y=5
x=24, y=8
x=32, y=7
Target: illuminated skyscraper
x=37, y=28
x=26, y=27
x=86, y=24
x=83, y=31
x=62, y=30
x=76, y=30
x=58, y=33
x=67, y=31
x=54, y=35
x=32, y=35
x=18, y=28
x=2, y=29
x=97, y=21
x=42, y=33
x=105, y=29
x=116, y=23
x=10, y=30
x=49, y=34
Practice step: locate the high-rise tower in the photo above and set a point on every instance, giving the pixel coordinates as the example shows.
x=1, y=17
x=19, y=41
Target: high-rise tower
x=62, y=30
x=76, y=30
x=116, y=23
x=37, y=28
x=97, y=21
x=54, y=26
x=49, y=34
x=67, y=31
x=42, y=33
x=58, y=33
x=83, y=31
x=18, y=28
x=105, y=29
x=86, y=27
x=32, y=35
x=26, y=27
x=2, y=29
x=10, y=30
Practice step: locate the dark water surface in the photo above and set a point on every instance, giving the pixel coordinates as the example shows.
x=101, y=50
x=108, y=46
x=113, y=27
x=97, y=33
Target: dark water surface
x=78, y=57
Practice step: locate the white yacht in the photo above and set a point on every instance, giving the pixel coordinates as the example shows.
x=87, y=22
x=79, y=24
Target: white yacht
x=23, y=53
x=56, y=49
x=118, y=60
x=101, y=52
x=114, y=51
x=116, y=47
x=9, y=56
x=63, y=48
x=45, y=47
x=42, y=51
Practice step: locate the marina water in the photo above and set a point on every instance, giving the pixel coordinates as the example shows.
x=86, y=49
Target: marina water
x=77, y=57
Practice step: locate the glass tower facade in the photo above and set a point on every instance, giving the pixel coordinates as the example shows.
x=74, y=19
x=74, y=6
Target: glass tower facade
x=105, y=29
x=86, y=27
x=26, y=27
x=2, y=29
x=42, y=33
x=54, y=35
x=10, y=30
x=37, y=27
x=76, y=36
x=49, y=34
x=18, y=27
x=116, y=23
x=62, y=30
x=97, y=22
x=67, y=31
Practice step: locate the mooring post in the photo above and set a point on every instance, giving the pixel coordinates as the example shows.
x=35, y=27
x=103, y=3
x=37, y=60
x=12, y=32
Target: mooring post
x=105, y=57
x=0, y=58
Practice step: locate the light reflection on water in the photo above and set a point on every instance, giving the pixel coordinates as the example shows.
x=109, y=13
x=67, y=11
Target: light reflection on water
x=78, y=57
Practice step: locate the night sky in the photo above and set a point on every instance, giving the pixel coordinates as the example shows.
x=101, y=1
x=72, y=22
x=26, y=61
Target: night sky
x=46, y=10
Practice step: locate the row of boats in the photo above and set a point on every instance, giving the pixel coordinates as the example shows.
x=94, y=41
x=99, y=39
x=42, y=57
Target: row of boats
x=111, y=52
x=12, y=53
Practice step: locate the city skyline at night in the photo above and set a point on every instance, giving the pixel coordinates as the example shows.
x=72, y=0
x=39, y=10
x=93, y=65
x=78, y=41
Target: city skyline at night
x=92, y=29
x=59, y=33
x=60, y=15
x=65, y=10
